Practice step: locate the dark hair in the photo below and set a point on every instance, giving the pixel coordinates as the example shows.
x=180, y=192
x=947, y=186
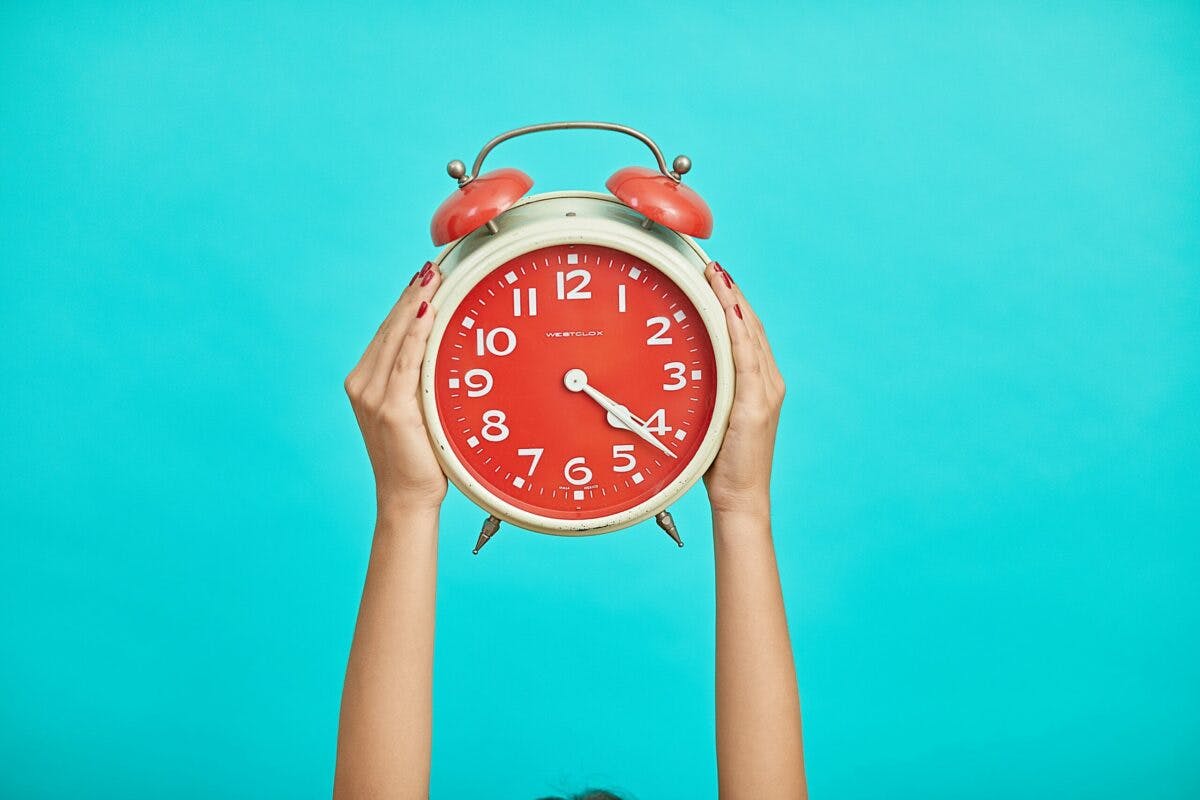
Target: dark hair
x=587, y=794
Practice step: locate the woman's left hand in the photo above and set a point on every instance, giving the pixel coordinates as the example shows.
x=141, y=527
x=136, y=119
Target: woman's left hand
x=739, y=480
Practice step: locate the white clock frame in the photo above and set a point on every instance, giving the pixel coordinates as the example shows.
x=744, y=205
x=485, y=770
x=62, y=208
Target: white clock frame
x=576, y=217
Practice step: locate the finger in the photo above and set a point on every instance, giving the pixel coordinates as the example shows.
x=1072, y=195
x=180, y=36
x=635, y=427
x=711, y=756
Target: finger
x=721, y=285
x=392, y=332
x=752, y=319
x=404, y=383
x=419, y=316
x=747, y=363
x=730, y=297
x=367, y=360
x=754, y=323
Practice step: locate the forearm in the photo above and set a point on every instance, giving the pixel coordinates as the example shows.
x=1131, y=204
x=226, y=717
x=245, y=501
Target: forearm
x=759, y=747
x=384, y=733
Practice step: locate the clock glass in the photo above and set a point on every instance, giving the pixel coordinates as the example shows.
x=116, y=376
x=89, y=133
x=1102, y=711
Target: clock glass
x=575, y=381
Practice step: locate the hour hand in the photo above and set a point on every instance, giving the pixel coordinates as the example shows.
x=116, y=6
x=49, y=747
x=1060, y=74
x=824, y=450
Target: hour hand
x=616, y=423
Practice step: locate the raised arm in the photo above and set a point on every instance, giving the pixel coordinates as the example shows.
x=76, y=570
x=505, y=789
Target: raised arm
x=760, y=755
x=385, y=729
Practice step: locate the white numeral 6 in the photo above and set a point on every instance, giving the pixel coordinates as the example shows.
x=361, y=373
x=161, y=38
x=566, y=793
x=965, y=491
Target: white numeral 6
x=576, y=473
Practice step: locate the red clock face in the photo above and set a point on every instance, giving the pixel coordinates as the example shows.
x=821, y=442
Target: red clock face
x=575, y=381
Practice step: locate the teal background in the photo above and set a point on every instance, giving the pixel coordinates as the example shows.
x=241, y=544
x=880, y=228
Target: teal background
x=973, y=231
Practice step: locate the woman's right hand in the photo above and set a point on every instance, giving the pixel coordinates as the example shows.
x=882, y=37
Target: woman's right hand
x=739, y=480
x=384, y=390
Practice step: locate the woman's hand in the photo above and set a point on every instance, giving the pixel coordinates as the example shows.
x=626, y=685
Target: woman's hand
x=384, y=389
x=760, y=744
x=740, y=478
x=384, y=736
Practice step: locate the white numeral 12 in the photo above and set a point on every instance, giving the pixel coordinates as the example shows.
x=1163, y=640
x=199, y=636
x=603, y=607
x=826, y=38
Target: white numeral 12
x=576, y=292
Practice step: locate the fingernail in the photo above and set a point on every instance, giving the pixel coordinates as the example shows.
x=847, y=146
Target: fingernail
x=736, y=309
x=717, y=266
x=428, y=277
x=427, y=268
x=727, y=274
x=728, y=282
x=425, y=307
x=414, y=278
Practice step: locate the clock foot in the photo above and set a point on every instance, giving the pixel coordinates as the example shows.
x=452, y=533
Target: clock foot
x=490, y=526
x=665, y=522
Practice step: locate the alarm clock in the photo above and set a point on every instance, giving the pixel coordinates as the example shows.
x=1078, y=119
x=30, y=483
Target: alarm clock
x=578, y=377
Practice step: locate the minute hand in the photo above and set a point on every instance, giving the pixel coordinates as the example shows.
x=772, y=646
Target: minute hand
x=627, y=419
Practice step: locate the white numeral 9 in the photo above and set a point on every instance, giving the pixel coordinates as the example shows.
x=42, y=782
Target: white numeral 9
x=678, y=369
x=624, y=451
x=576, y=473
x=658, y=338
x=494, y=429
x=478, y=381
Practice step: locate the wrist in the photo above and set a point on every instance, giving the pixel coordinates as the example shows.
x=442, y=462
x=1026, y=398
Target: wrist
x=748, y=504
x=742, y=522
x=405, y=513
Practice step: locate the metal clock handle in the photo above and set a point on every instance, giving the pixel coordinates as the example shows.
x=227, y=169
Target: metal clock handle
x=682, y=164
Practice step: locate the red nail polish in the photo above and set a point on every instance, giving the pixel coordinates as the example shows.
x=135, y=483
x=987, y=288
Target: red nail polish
x=425, y=307
x=727, y=274
x=427, y=268
x=736, y=309
x=728, y=282
x=717, y=266
x=414, y=278
x=428, y=277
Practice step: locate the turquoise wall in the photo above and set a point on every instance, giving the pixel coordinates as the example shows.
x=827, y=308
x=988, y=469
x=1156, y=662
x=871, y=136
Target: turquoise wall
x=973, y=231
